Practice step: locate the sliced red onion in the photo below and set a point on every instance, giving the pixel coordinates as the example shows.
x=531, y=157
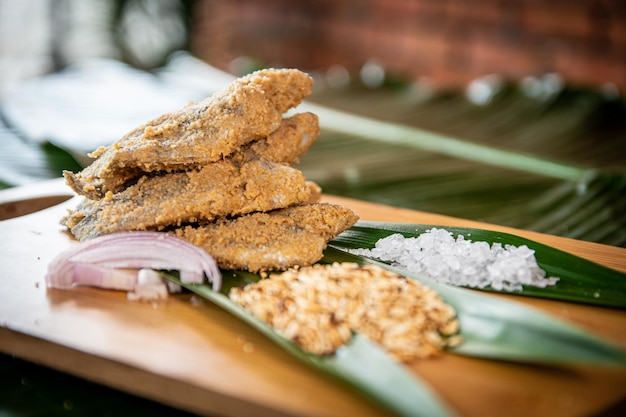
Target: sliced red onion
x=97, y=276
x=102, y=261
x=150, y=287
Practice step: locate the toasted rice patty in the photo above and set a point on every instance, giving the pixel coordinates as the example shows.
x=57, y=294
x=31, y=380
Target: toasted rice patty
x=319, y=307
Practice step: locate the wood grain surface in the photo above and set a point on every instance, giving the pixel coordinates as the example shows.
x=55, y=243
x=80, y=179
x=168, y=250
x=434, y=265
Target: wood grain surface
x=187, y=353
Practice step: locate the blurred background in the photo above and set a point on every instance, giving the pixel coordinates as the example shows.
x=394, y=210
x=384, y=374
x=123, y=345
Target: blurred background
x=510, y=112
x=539, y=82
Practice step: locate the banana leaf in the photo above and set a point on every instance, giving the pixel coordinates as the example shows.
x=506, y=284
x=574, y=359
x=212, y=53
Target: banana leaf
x=360, y=364
x=504, y=330
x=580, y=280
x=539, y=329
x=491, y=328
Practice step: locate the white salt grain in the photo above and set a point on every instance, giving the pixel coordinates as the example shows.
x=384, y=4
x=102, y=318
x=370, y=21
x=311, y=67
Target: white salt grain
x=461, y=262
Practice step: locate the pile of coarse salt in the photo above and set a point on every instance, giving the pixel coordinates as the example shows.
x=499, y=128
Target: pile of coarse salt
x=461, y=262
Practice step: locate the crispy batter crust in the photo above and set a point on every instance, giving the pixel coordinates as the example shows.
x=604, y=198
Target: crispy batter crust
x=286, y=144
x=200, y=133
x=219, y=189
x=276, y=240
x=219, y=174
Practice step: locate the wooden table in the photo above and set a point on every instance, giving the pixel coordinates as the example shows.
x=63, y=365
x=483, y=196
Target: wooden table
x=189, y=354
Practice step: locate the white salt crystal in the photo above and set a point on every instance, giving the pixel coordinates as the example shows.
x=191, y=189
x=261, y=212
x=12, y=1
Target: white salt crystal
x=461, y=262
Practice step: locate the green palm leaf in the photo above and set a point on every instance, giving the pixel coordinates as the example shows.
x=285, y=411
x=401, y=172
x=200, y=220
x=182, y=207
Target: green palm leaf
x=552, y=164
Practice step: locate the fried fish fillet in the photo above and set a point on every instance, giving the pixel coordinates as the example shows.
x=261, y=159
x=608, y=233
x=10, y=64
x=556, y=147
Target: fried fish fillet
x=285, y=145
x=218, y=173
x=181, y=197
x=276, y=240
x=222, y=188
x=200, y=133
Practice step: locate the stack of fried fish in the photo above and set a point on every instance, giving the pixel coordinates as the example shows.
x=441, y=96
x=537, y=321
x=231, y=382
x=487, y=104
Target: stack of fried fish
x=219, y=174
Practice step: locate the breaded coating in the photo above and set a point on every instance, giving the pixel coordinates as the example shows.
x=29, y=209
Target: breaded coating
x=287, y=144
x=293, y=236
x=218, y=173
x=202, y=132
x=219, y=189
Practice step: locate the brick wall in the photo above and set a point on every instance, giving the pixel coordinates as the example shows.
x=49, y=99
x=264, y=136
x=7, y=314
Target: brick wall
x=450, y=41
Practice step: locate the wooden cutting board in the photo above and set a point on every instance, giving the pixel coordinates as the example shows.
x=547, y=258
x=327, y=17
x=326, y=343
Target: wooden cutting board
x=187, y=353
